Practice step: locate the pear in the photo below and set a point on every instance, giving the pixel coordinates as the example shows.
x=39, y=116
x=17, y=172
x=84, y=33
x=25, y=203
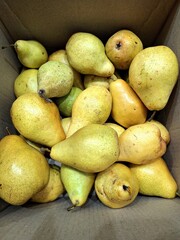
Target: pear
x=65, y=124
x=25, y=82
x=127, y=108
x=86, y=54
x=165, y=134
x=52, y=190
x=153, y=74
x=31, y=53
x=78, y=184
x=66, y=102
x=37, y=119
x=61, y=56
x=93, y=105
x=122, y=47
x=117, y=186
x=119, y=129
x=24, y=171
x=92, y=80
x=92, y=148
x=55, y=79
x=141, y=143
x=155, y=179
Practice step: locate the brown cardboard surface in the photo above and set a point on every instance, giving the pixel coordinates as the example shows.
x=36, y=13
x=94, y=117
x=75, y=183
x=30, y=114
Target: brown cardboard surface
x=52, y=22
x=147, y=218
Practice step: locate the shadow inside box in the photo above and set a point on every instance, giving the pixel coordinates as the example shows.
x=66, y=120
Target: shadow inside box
x=31, y=204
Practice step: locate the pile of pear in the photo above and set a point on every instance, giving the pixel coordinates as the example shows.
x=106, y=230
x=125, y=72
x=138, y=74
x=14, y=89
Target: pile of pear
x=84, y=117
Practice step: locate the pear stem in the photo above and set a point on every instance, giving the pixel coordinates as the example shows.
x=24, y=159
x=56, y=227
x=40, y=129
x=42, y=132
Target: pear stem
x=73, y=206
x=41, y=93
x=10, y=45
x=7, y=129
x=177, y=194
x=42, y=149
x=152, y=116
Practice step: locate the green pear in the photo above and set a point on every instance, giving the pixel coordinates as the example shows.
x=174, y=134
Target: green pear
x=55, y=79
x=116, y=186
x=78, y=184
x=31, y=53
x=66, y=102
x=155, y=179
x=52, y=190
x=92, y=148
x=24, y=171
x=122, y=47
x=92, y=80
x=25, y=82
x=37, y=119
x=153, y=74
x=141, y=143
x=86, y=54
x=61, y=56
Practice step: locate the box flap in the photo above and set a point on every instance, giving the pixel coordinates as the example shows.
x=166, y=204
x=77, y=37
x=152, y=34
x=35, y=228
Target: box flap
x=52, y=22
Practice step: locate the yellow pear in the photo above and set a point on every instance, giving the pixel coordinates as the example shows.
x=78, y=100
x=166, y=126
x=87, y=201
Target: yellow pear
x=155, y=179
x=65, y=124
x=127, y=108
x=116, y=186
x=52, y=190
x=122, y=47
x=25, y=82
x=78, y=184
x=92, y=148
x=86, y=54
x=31, y=53
x=141, y=144
x=61, y=56
x=24, y=171
x=153, y=74
x=37, y=119
x=92, y=80
x=119, y=129
x=93, y=105
x=165, y=134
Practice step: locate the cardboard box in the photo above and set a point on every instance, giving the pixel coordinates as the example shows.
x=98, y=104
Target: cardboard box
x=52, y=23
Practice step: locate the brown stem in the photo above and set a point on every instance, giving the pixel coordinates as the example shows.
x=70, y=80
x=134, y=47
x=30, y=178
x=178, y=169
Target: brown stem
x=42, y=149
x=73, y=206
x=7, y=129
x=42, y=94
x=10, y=45
x=178, y=194
x=152, y=116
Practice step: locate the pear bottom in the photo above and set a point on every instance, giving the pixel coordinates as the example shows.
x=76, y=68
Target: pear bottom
x=117, y=186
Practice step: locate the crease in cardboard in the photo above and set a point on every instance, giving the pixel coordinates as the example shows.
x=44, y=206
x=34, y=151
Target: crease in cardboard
x=160, y=5
x=13, y=20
